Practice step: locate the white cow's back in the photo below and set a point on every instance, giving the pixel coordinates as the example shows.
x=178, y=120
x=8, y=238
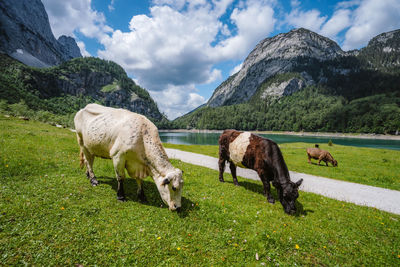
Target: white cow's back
x=106, y=131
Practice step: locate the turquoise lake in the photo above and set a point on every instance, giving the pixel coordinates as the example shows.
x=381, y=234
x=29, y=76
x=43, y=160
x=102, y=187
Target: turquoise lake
x=187, y=138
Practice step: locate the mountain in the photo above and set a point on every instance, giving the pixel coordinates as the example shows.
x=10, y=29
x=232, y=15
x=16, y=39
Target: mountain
x=25, y=35
x=302, y=81
x=64, y=82
x=62, y=90
x=279, y=54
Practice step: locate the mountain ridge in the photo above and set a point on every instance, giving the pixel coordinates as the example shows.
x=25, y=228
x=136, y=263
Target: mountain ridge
x=272, y=56
x=26, y=35
x=332, y=90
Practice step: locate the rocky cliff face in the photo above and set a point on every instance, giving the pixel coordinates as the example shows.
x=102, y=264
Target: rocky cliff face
x=317, y=59
x=25, y=34
x=69, y=47
x=279, y=54
x=383, y=51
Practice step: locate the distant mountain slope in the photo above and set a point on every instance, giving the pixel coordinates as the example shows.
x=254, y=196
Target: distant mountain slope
x=25, y=35
x=303, y=81
x=66, y=88
x=279, y=54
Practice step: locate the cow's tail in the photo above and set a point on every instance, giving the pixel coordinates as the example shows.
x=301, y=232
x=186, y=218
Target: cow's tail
x=81, y=155
x=81, y=159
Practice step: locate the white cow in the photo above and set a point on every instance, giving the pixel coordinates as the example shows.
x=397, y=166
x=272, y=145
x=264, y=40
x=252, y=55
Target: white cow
x=133, y=143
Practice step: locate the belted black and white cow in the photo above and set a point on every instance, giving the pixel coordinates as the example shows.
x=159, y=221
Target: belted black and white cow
x=133, y=143
x=251, y=151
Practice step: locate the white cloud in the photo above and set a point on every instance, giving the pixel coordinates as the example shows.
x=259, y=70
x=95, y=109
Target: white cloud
x=167, y=47
x=254, y=22
x=236, y=69
x=371, y=18
x=176, y=45
x=69, y=16
x=340, y=20
x=82, y=47
x=176, y=101
x=360, y=19
x=311, y=19
x=111, y=6
x=214, y=76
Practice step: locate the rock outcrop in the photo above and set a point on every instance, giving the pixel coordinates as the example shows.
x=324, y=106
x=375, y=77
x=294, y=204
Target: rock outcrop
x=279, y=54
x=25, y=35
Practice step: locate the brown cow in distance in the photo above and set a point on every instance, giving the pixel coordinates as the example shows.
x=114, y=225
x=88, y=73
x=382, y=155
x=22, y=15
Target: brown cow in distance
x=251, y=151
x=320, y=155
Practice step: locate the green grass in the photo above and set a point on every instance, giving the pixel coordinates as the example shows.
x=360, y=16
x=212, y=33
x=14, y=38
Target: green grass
x=376, y=167
x=50, y=215
x=110, y=87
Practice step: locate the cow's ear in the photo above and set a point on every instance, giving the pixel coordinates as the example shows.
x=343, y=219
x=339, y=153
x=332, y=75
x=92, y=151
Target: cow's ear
x=298, y=183
x=165, y=181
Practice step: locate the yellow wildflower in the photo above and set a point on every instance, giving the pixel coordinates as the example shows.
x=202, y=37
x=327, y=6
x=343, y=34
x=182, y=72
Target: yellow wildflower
x=178, y=248
x=62, y=208
x=297, y=246
x=158, y=238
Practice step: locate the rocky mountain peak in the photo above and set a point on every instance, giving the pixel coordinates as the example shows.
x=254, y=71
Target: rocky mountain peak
x=278, y=54
x=296, y=43
x=388, y=41
x=25, y=35
x=69, y=46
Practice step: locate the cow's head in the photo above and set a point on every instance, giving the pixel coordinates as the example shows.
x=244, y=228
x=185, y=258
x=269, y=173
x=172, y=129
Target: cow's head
x=170, y=188
x=334, y=163
x=288, y=195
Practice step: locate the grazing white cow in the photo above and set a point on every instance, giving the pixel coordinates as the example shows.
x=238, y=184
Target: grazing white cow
x=133, y=143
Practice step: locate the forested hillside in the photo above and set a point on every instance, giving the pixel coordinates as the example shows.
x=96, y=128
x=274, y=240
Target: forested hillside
x=311, y=109
x=55, y=94
x=315, y=87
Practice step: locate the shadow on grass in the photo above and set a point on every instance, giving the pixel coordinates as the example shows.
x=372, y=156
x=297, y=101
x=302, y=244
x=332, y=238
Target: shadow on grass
x=257, y=188
x=151, y=192
x=321, y=165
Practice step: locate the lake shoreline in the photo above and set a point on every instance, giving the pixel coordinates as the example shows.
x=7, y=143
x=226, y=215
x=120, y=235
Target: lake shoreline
x=310, y=134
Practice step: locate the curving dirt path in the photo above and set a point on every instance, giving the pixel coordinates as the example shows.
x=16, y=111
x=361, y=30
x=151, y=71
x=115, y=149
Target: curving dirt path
x=365, y=195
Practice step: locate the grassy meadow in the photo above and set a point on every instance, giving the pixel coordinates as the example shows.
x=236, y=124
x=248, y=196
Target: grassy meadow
x=51, y=215
x=376, y=167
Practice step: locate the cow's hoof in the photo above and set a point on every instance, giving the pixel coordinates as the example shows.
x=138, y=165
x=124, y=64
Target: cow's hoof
x=94, y=182
x=272, y=201
x=222, y=180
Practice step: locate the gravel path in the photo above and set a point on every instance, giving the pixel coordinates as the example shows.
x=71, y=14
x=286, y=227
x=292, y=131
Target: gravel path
x=365, y=195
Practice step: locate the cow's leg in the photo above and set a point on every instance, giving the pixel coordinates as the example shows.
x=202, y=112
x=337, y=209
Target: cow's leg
x=89, y=159
x=267, y=186
x=309, y=158
x=119, y=167
x=232, y=166
x=221, y=164
x=140, y=191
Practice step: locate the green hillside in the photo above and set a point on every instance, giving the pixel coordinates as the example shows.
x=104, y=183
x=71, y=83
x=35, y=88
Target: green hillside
x=55, y=94
x=358, y=92
x=371, y=105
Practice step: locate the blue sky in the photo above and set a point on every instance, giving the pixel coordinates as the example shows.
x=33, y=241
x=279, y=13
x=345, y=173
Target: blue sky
x=181, y=50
